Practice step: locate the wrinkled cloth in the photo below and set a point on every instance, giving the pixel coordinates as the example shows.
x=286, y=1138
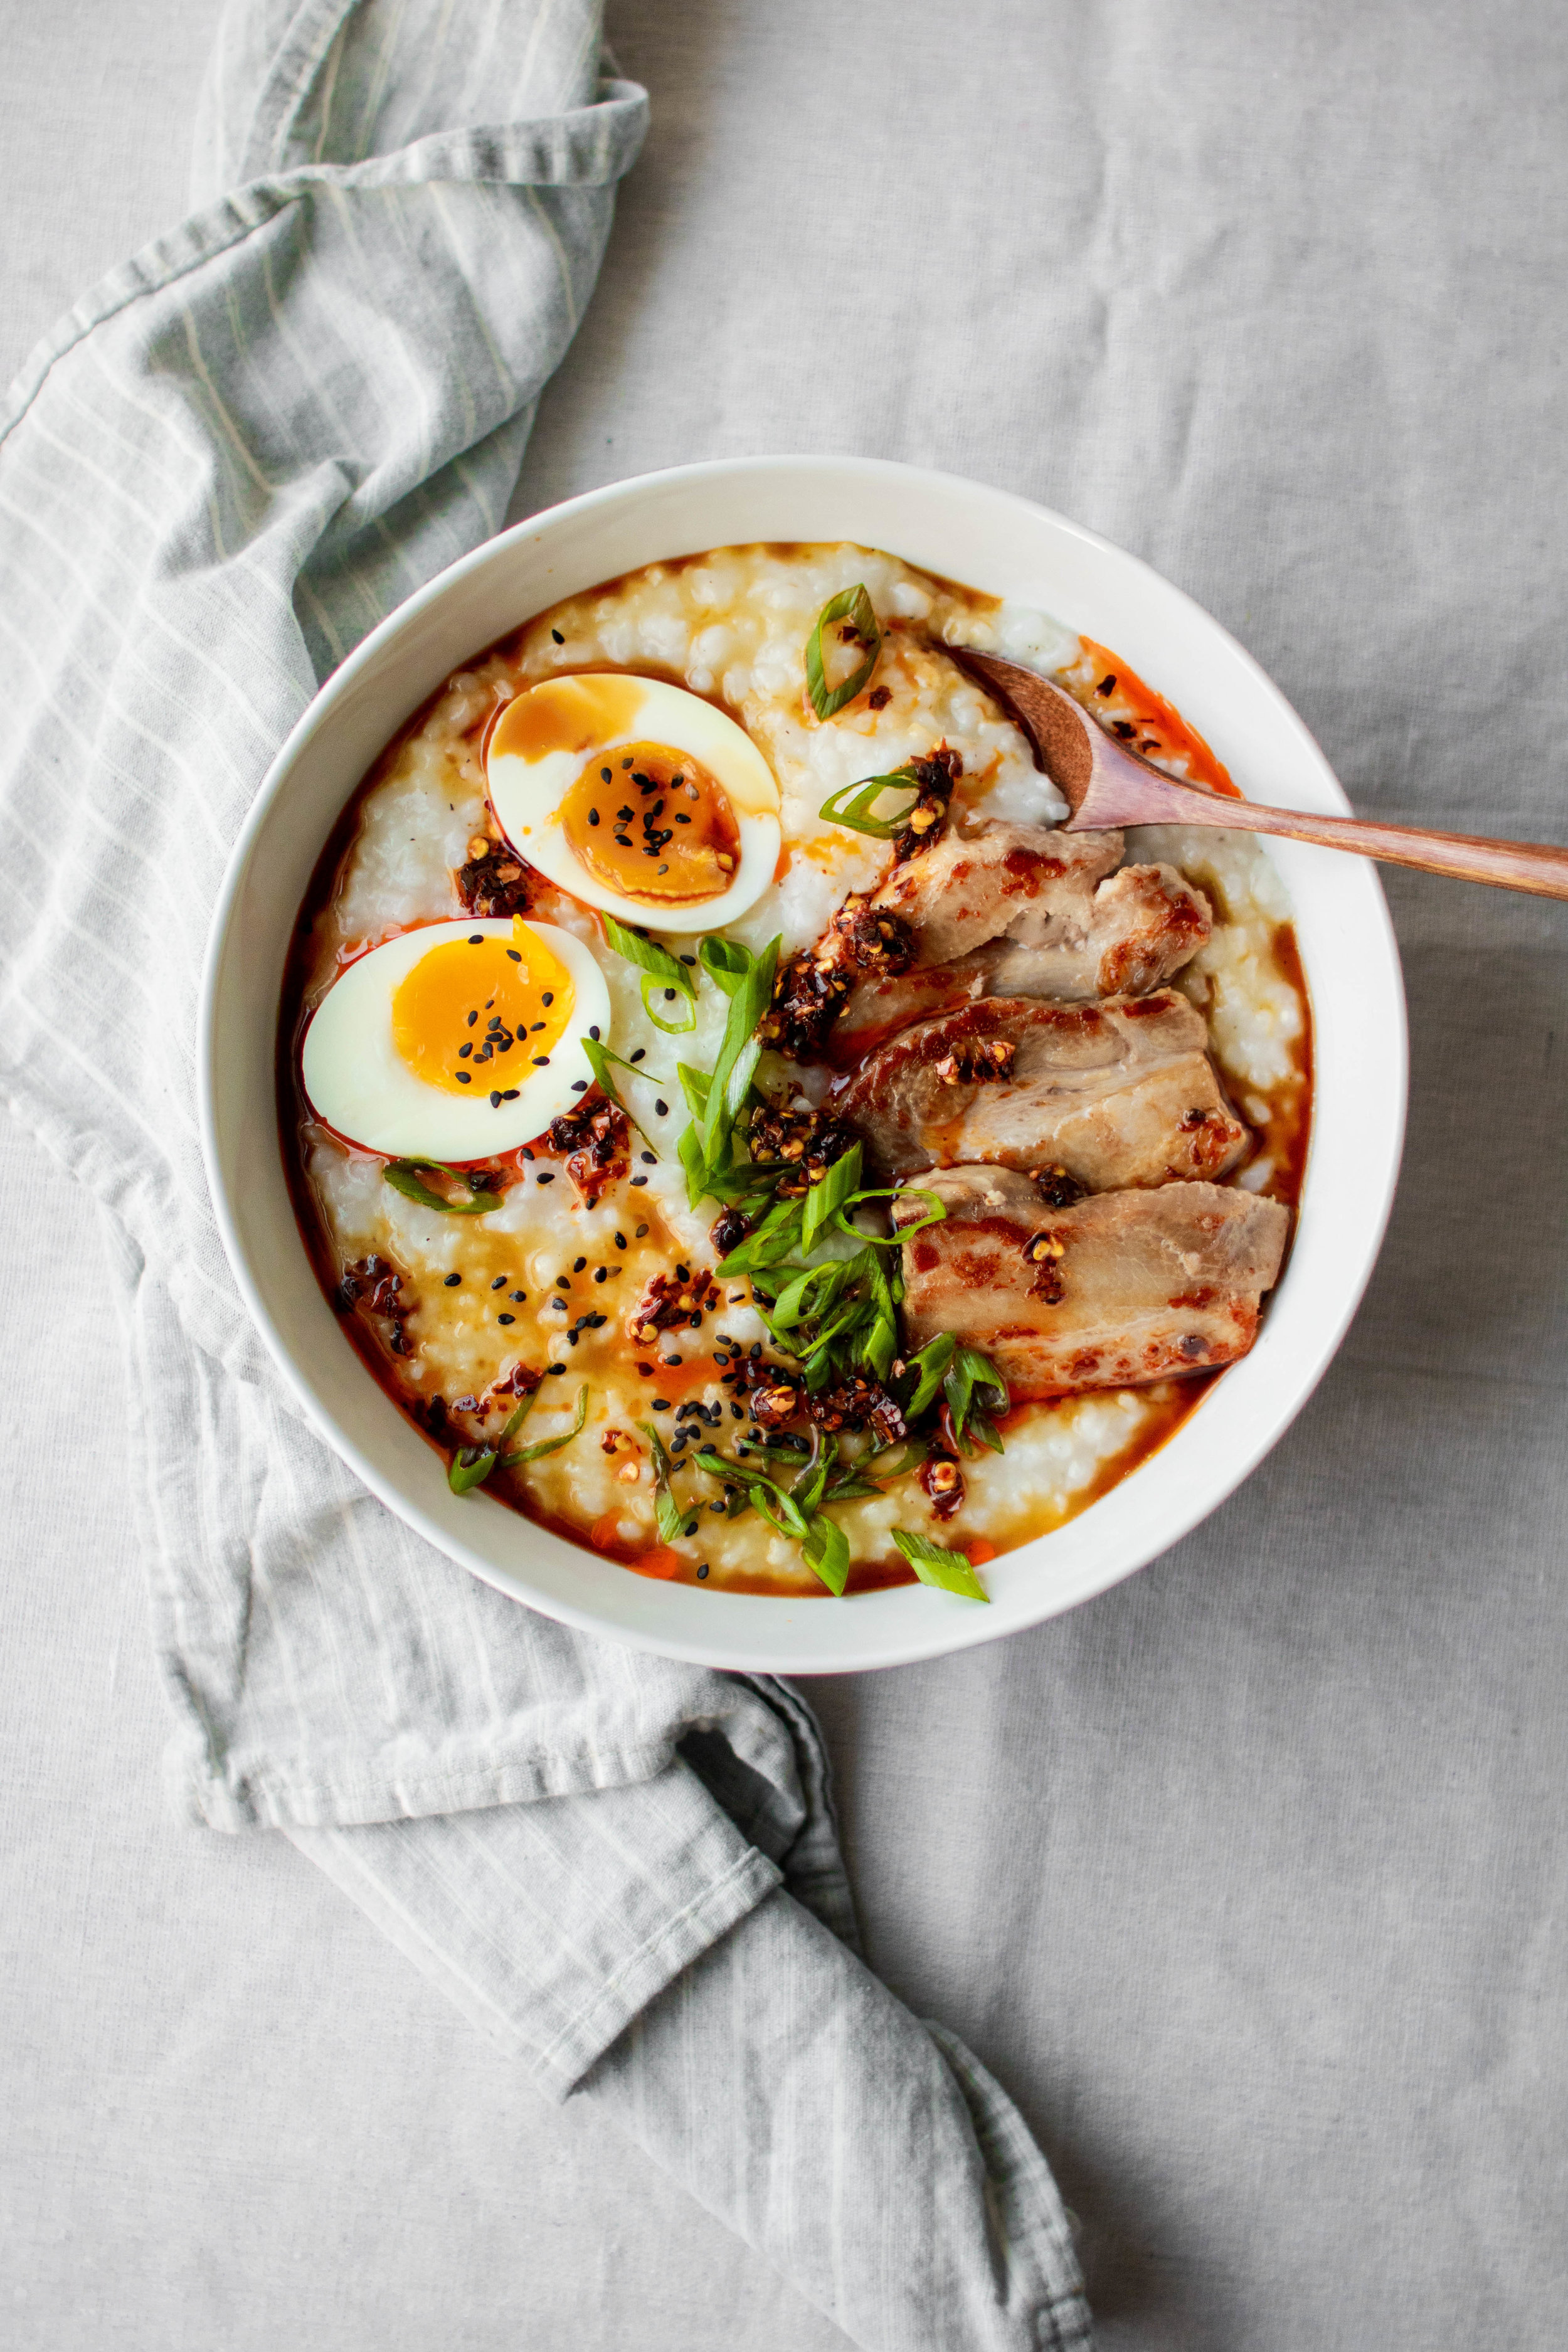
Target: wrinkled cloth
x=229, y=463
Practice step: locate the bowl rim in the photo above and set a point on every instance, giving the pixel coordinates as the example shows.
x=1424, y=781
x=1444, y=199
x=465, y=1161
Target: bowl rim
x=953, y=1624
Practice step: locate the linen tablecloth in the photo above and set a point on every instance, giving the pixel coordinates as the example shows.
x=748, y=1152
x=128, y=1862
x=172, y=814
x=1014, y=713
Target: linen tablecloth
x=226, y=463
x=1246, y=1877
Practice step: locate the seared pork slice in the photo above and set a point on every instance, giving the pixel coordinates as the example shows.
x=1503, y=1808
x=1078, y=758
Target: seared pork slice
x=1118, y=1093
x=1124, y=1288
x=1021, y=910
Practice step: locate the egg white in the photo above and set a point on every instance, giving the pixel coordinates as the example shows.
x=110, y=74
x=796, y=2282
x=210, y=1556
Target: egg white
x=527, y=794
x=360, y=1085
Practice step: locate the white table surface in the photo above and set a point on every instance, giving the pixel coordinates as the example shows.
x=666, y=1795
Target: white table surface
x=1248, y=1879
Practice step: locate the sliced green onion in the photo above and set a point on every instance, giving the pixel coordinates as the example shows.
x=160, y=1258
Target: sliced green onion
x=811, y=1295
x=911, y=1452
x=695, y=1085
x=854, y=605
x=725, y=961
x=781, y=1512
x=933, y=1215
x=599, y=1058
x=671, y=1518
x=403, y=1175
x=827, y=1551
x=824, y=1200
x=464, y=1476
x=546, y=1445
x=857, y=813
x=699, y=1175
x=769, y=1243
x=932, y=1360
x=738, y=1054
x=659, y=969
x=935, y=1564
x=968, y=1374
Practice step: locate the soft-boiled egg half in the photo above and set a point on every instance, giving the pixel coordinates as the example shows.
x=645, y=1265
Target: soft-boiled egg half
x=455, y=1040
x=637, y=797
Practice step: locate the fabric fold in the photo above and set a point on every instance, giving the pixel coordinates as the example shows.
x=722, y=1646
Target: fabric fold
x=231, y=460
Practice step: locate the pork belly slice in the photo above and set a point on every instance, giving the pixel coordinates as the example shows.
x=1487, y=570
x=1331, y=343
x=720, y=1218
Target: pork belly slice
x=1125, y=1288
x=1118, y=1093
x=1022, y=910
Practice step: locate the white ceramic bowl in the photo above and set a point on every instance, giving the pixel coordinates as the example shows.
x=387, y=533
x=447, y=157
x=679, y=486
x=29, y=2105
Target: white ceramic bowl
x=992, y=541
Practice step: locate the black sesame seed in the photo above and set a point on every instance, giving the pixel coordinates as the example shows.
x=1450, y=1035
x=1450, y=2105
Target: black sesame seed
x=636, y=1181
x=561, y=1282
x=453, y=1280
x=506, y=1318
x=570, y=1339
x=594, y=1035
x=472, y=1018
x=558, y=637
x=518, y=1296
x=578, y=1263
x=541, y=1061
x=501, y=1282
x=555, y=1368
x=669, y=993
x=535, y=1027
x=739, y=1411
x=607, y=774
x=462, y=1077
x=662, y=1108
x=661, y=1404
x=756, y=1349
x=513, y=956
x=579, y=1086
x=527, y=1152
x=679, y=819
x=595, y=1322
x=690, y=960
x=620, y=1241
x=640, y=1053
x=548, y=998
x=463, y=1051
x=648, y=1158
x=547, y=1176
x=601, y=1273
x=476, y=939
x=671, y=1362
x=592, y=816
x=495, y=1098
x=511, y=1093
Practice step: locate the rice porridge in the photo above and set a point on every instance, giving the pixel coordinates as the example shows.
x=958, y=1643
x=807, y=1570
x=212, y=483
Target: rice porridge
x=617, y=1305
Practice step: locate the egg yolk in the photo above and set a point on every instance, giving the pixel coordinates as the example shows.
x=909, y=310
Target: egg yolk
x=653, y=825
x=480, y=1014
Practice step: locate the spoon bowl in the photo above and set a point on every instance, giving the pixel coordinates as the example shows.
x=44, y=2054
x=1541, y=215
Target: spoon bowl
x=1106, y=786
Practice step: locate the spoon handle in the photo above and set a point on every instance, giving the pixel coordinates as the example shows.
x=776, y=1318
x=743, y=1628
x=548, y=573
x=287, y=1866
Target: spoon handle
x=1538, y=867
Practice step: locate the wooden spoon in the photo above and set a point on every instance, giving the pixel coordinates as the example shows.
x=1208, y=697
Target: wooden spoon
x=1106, y=785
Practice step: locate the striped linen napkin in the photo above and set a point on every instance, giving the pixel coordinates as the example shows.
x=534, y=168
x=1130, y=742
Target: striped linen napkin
x=226, y=464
